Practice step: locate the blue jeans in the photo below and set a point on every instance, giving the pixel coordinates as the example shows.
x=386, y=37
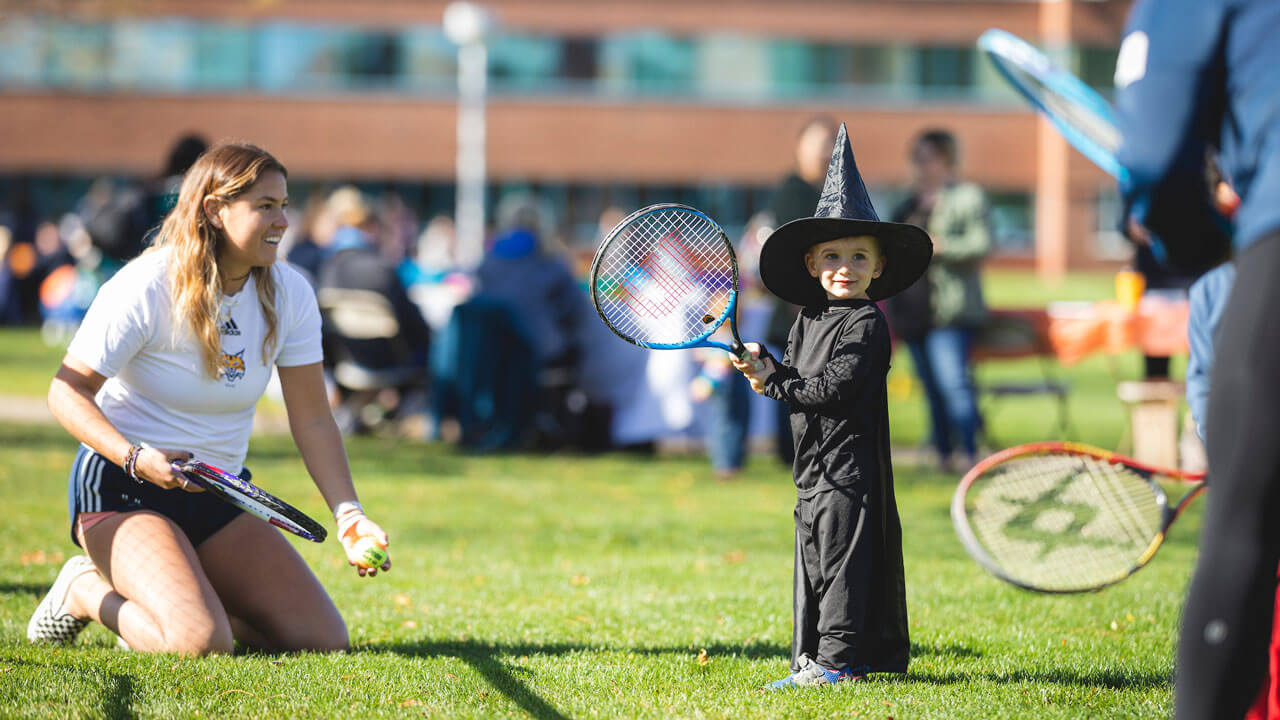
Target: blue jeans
x=942, y=364
x=727, y=422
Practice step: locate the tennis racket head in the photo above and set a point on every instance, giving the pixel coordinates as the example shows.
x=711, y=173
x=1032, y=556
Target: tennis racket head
x=252, y=499
x=666, y=277
x=1085, y=118
x=1058, y=517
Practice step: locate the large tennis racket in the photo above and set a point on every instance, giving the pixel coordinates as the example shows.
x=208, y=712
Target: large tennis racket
x=666, y=278
x=252, y=499
x=1083, y=117
x=1058, y=517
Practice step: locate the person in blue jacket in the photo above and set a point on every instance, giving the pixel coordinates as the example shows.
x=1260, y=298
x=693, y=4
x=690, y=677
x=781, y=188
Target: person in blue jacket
x=1193, y=75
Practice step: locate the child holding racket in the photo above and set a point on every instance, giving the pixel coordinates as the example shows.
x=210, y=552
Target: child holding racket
x=170, y=362
x=849, y=609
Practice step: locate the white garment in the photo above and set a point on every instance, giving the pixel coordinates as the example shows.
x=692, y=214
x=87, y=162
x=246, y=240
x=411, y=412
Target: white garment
x=157, y=391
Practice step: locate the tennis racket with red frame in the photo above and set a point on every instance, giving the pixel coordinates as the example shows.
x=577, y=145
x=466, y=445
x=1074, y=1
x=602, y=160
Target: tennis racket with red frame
x=252, y=499
x=1060, y=517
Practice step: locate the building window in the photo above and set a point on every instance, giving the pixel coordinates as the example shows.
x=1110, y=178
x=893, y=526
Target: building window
x=224, y=57
x=429, y=60
x=648, y=63
x=523, y=62
x=733, y=65
x=192, y=55
x=944, y=70
x=1012, y=217
x=580, y=59
x=154, y=55
x=78, y=55
x=373, y=58
x=22, y=52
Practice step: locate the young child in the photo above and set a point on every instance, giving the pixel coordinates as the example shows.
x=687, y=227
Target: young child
x=850, y=615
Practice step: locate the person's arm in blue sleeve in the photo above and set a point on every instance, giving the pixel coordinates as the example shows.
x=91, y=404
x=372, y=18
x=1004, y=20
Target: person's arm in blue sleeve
x=1199, y=357
x=1169, y=94
x=1208, y=300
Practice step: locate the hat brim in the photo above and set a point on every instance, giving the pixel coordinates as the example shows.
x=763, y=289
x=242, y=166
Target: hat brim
x=907, y=251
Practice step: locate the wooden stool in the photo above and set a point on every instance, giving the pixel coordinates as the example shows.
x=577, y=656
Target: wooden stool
x=1153, y=419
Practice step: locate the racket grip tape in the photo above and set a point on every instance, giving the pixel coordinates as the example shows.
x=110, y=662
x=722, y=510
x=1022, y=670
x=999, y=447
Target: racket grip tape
x=745, y=356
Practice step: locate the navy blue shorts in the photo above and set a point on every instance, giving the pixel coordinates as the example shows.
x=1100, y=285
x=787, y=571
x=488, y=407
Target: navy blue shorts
x=99, y=485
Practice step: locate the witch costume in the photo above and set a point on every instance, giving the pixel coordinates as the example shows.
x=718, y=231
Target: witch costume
x=850, y=614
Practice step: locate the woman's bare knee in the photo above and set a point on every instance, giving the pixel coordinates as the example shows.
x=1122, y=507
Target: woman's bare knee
x=199, y=647
x=332, y=641
x=317, y=637
x=200, y=638
x=335, y=638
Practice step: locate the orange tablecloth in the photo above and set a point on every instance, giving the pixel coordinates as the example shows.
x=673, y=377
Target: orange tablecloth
x=1158, y=327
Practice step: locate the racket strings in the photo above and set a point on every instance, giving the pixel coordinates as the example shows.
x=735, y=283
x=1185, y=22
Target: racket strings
x=1086, y=120
x=665, y=278
x=1064, y=522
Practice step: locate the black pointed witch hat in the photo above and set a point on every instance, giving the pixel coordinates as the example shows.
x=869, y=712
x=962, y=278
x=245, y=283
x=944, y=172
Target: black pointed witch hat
x=844, y=210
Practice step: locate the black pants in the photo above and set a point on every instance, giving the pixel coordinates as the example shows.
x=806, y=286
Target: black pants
x=833, y=578
x=1226, y=626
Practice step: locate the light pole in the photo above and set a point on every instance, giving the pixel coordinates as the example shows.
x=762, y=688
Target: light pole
x=467, y=24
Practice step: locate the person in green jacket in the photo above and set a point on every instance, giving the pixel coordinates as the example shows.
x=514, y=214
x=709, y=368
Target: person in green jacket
x=939, y=316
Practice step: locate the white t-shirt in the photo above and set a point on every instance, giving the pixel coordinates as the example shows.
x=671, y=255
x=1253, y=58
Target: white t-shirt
x=157, y=391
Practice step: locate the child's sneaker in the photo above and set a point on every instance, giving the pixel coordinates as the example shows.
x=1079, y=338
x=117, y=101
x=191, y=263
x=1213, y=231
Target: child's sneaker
x=51, y=622
x=811, y=673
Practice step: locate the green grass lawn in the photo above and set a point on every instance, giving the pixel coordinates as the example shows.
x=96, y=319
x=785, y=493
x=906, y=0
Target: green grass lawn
x=588, y=587
x=27, y=364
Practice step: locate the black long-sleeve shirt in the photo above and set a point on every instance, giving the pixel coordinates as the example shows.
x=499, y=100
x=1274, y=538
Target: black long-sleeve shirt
x=833, y=377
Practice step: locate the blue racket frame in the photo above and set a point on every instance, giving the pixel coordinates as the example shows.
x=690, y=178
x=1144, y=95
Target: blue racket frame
x=1004, y=47
x=730, y=309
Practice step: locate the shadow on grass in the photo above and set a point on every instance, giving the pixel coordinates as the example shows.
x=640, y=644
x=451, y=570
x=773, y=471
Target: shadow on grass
x=116, y=693
x=1109, y=679
x=32, y=589
x=490, y=661
x=950, y=650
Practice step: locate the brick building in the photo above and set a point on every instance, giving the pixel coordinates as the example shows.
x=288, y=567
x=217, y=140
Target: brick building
x=591, y=102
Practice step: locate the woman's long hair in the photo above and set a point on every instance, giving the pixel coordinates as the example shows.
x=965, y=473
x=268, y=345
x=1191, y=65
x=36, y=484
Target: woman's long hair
x=225, y=171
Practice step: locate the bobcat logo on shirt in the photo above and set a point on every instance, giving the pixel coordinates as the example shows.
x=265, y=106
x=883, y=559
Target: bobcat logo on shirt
x=232, y=366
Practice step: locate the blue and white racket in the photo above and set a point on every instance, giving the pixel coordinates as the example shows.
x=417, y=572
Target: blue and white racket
x=666, y=278
x=1083, y=117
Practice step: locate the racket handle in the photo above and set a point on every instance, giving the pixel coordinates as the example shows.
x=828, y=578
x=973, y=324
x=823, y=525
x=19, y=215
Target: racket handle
x=745, y=356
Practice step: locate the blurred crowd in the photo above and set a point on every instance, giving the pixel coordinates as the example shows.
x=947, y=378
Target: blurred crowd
x=505, y=355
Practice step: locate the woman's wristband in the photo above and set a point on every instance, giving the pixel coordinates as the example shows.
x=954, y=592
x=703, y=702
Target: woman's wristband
x=345, y=507
x=347, y=514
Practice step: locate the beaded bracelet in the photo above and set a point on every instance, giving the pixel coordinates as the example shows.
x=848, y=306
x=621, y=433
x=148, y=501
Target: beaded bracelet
x=131, y=462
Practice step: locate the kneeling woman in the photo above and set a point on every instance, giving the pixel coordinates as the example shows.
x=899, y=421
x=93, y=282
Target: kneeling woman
x=170, y=362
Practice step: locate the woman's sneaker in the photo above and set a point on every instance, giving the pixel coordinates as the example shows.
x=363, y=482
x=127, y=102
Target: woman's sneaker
x=811, y=673
x=51, y=622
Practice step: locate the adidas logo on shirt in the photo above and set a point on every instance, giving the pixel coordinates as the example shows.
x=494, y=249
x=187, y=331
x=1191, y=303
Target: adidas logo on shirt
x=229, y=327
